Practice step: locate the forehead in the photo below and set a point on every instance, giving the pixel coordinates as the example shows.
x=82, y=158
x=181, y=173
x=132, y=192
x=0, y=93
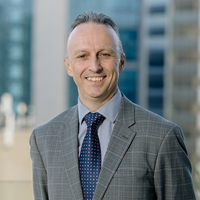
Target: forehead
x=92, y=33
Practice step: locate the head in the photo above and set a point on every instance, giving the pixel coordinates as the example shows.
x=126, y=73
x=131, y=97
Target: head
x=98, y=18
x=94, y=58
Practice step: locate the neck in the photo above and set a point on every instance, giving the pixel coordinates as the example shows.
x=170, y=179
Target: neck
x=94, y=104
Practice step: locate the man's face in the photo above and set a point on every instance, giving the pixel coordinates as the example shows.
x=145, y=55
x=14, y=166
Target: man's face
x=94, y=61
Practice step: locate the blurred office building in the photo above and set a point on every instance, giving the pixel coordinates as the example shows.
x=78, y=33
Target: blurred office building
x=126, y=15
x=182, y=75
x=153, y=47
x=15, y=50
x=169, y=74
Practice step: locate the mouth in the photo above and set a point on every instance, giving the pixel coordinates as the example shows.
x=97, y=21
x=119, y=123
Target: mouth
x=95, y=79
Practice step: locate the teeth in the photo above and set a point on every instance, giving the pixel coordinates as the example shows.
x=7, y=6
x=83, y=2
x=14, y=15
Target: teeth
x=95, y=79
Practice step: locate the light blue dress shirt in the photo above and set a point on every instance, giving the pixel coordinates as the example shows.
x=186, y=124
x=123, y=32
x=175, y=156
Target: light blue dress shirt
x=109, y=111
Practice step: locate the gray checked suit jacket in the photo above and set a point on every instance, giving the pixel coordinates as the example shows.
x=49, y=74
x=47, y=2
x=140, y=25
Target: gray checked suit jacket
x=146, y=159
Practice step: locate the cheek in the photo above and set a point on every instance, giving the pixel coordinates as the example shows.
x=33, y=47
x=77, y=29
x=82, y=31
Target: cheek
x=77, y=71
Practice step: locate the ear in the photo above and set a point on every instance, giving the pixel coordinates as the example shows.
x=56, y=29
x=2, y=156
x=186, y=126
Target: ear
x=122, y=63
x=68, y=67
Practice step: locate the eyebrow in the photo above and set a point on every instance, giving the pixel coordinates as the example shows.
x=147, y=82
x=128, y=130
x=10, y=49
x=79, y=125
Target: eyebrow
x=86, y=51
x=81, y=51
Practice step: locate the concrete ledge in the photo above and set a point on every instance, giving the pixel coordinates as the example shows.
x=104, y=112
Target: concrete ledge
x=16, y=190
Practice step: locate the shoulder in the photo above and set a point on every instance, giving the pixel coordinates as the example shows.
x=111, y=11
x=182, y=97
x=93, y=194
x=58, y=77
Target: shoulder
x=153, y=130
x=141, y=113
x=151, y=122
x=59, y=121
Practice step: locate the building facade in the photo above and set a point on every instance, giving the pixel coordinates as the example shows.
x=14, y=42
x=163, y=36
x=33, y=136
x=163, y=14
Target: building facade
x=15, y=49
x=154, y=45
x=182, y=76
x=169, y=64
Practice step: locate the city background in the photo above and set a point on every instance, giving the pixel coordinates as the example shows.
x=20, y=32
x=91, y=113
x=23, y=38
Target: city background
x=161, y=40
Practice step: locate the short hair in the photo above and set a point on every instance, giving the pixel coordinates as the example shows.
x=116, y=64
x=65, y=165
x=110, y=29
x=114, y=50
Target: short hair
x=99, y=18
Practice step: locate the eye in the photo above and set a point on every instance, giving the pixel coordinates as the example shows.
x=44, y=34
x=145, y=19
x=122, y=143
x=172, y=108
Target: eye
x=82, y=56
x=104, y=54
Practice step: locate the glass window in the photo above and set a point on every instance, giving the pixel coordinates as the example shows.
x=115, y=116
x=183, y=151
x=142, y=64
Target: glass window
x=16, y=1
x=155, y=102
x=15, y=52
x=185, y=81
x=156, y=81
x=1, y=53
x=129, y=42
x=15, y=71
x=73, y=93
x=156, y=57
x=15, y=88
x=188, y=56
x=16, y=15
x=186, y=5
x=182, y=106
x=128, y=84
x=16, y=33
x=186, y=30
x=156, y=31
x=157, y=9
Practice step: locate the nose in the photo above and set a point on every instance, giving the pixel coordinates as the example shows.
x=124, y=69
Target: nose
x=95, y=65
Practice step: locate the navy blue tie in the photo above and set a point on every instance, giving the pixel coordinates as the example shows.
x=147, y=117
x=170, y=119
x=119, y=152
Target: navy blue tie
x=90, y=156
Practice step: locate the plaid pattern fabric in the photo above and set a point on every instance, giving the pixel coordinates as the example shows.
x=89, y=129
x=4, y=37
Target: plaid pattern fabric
x=146, y=159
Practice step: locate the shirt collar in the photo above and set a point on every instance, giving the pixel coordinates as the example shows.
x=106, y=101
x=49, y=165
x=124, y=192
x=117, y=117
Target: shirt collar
x=108, y=110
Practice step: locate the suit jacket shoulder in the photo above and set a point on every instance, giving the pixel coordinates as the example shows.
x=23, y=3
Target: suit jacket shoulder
x=144, y=118
x=62, y=119
x=52, y=132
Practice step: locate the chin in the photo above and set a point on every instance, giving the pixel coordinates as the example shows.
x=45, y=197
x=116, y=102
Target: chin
x=95, y=93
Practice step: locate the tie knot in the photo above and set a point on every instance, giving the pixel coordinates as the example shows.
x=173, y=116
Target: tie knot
x=94, y=119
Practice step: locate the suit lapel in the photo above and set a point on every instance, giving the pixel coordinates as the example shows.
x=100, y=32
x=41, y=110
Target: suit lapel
x=69, y=146
x=120, y=141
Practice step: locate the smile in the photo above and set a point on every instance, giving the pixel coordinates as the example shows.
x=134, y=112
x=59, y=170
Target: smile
x=95, y=79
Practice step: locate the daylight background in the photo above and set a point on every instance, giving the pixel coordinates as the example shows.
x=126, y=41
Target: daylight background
x=161, y=41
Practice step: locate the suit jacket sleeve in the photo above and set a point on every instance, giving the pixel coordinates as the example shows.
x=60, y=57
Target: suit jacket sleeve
x=39, y=171
x=173, y=169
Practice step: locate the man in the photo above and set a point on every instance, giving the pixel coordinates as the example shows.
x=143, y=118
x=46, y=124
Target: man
x=106, y=147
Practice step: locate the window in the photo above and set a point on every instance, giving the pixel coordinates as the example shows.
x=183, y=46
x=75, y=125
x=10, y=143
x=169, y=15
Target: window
x=16, y=1
x=157, y=9
x=189, y=56
x=156, y=57
x=186, y=5
x=16, y=15
x=189, y=30
x=15, y=52
x=182, y=106
x=15, y=71
x=156, y=31
x=185, y=81
x=156, y=81
x=129, y=42
x=73, y=93
x=155, y=102
x=128, y=84
x=16, y=33
x=15, y=88
x=1, y=53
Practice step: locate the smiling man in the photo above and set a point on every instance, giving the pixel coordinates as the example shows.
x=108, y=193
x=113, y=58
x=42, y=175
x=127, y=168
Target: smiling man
x=106, y=147
x=94, y=61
